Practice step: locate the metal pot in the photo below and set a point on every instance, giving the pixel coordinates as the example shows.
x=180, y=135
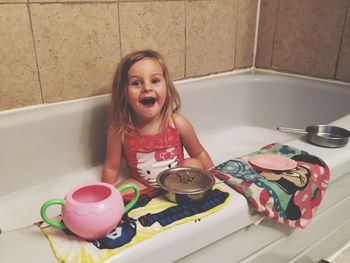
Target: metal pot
x=183, y=185
x=323, y=135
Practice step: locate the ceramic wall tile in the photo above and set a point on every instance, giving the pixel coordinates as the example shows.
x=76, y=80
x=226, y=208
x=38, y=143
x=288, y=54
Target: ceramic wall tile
x=210, y=36
x=151, y=0
x=69, y=1
x=266, y=34
x=18, y=72
x=155, y=25
x=77, y=48
x=343, y=72
x=308, y=36
x=246, y=25
x=13, y=1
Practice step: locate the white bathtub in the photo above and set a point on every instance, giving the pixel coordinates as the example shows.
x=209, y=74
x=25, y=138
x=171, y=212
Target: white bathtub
x=46, y=150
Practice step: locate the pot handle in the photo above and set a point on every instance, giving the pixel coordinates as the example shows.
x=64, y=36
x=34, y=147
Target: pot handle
x=135, y=198
x=291, y=130
x=48, y=220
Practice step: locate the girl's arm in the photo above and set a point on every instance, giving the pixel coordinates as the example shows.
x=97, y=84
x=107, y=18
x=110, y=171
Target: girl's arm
x=190, y=141
x=111, y=165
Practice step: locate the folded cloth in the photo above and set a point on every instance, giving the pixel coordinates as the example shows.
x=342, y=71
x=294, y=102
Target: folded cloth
x=290, y=197
x=147, y=218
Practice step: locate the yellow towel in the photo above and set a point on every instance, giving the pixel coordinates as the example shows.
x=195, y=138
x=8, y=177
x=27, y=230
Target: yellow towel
x=69, y=248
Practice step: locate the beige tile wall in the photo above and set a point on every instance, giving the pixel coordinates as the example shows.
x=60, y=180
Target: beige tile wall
x=246, y=26
x=18, y=69
x=77, y=48
x=343, y=70
x=308, y=37
x=56, y=50
x=155, y=25
x=210, y=36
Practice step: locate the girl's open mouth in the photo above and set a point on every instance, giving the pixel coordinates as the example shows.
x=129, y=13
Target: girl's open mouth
x=148, y=101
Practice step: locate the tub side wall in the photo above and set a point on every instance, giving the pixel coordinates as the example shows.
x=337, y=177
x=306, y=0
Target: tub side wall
x=277, y=101
x=46, y=142
x=263, y=100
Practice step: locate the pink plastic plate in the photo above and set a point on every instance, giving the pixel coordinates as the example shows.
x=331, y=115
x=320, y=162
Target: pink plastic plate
x=272, y=162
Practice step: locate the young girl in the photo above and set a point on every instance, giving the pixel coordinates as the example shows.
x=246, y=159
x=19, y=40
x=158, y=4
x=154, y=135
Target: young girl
x=145, y=126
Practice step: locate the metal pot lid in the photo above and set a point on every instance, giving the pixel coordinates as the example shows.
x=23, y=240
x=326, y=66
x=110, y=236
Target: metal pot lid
x=184, y=180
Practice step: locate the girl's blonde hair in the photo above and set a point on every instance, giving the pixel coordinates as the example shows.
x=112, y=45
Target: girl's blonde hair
x=121, y=112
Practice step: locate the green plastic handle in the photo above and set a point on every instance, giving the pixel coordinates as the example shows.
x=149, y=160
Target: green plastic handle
x=48, y=220
x=134, y=200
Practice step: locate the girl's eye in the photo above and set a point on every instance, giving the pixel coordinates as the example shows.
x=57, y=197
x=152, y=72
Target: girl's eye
x=136, y=83
x=155, y=81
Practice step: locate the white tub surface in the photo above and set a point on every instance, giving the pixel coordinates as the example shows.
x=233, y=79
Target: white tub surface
x=51, y=148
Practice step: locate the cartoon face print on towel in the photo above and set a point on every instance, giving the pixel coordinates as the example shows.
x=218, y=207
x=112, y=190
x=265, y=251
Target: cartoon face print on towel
x=288, y=196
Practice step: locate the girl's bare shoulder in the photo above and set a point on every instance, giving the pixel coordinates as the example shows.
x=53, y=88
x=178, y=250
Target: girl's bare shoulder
x=181, y=122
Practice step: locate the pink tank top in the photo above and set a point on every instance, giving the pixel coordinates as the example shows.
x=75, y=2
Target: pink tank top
x=148, y=155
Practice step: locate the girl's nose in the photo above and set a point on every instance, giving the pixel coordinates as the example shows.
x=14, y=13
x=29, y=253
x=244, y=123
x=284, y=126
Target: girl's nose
x=147, y=87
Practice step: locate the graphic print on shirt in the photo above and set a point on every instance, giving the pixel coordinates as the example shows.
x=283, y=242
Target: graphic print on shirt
x=149, y=165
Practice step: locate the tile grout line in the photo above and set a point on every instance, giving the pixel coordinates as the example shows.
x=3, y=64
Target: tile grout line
x=236, y=34
x=341, y=41
x=256, y=36
x=274, y=34
x=119, y=32
x=185, y=40
x=35, y=52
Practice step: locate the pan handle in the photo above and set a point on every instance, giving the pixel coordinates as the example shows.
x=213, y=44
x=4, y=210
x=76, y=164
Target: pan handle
x=291, y=130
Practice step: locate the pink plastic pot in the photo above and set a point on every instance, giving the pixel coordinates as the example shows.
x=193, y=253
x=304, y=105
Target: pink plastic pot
x=91, y=211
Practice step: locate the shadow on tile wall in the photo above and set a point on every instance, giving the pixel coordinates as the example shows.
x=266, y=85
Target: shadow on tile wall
x=305, y=37
x=56, y=50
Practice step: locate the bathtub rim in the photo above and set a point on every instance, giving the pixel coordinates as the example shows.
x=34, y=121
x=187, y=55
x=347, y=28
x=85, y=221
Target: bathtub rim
x=250, y=71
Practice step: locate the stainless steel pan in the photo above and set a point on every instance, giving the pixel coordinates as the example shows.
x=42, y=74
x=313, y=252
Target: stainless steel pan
x=184, y=185
x=323, y=135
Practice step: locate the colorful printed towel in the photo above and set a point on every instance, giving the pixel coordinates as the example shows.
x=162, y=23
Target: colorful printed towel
x=149, y=217
x=290, y=197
